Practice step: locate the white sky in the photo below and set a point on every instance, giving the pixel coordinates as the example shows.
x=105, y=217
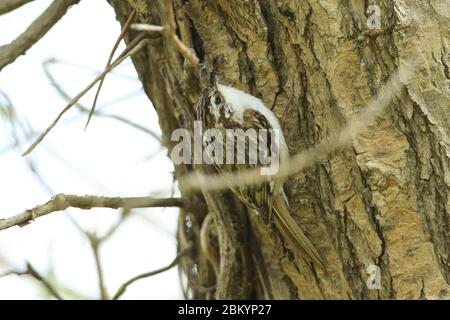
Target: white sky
x=110, y=158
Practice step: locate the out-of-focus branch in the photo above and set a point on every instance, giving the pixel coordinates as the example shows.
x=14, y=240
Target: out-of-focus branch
x=83, y=109
x=147, y=27
x=95, y=245
x=9, y=53
x=61, y=202
x=108, y=63
x=10, y=5
x=129, y=51
x=30, y=271
x=124, y=286
x=187, y=53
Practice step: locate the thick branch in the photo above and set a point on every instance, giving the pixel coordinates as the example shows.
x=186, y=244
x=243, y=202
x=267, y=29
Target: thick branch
x=10, y=5
x=61, y=202
x=9, y=53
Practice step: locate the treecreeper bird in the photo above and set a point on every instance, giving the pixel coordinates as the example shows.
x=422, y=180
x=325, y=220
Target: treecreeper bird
x=222, y=108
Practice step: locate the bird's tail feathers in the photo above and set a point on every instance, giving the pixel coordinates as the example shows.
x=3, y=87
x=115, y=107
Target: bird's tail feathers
x=293, y=234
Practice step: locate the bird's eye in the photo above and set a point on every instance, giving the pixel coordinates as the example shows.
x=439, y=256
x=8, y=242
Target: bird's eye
x=217, y=100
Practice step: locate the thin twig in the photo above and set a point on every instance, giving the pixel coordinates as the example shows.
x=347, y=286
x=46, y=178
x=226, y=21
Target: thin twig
x=30, y=271
x=16, y=123
x=124, y=286
x=135, y=42
x=170, y=17
x=186, y=52
x=126, y=212
x=9, y=53
x=10, y=5
x=93, y=70
x=95, y=245
x=96, y=242
x=83, y=109
x=169, y=32
x=118, y=61
x=108, y=63
x=62, y=201
x=92, y=237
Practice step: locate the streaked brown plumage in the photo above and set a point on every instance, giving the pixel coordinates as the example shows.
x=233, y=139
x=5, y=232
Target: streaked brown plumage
x=223, y=107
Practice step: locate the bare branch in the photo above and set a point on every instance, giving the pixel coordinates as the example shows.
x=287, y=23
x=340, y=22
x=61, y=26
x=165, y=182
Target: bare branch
x=187, y=53
x=10, y=5
x=95, y=245
x=83, y=109
x=61, y=202
x=9, y=53
x=95, y=242
x=124, y=286
x=30, y=271
x=169, y=31
x=108, y=63
x=127, y=52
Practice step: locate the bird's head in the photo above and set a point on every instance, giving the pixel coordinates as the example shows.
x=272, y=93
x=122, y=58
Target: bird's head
x=213, y=108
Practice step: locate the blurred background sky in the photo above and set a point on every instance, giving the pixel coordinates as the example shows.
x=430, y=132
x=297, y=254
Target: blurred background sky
x=109, y=158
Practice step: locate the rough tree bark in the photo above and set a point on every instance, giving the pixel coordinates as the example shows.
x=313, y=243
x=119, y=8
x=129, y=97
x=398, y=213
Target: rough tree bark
x=384, y=201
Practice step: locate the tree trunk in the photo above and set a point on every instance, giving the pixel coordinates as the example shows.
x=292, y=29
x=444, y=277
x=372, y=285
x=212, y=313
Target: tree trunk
x=383, y=202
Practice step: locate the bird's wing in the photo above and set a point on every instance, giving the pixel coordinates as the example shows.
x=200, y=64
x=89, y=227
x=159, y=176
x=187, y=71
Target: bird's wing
x=265, y=196
x=258, y=196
